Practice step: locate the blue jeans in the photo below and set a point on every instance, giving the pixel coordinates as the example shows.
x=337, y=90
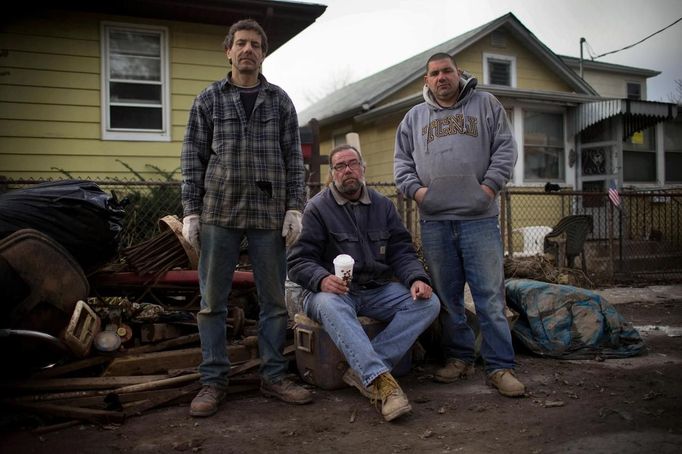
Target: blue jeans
x=392, y=303
x=218, y=259
x=470, y=251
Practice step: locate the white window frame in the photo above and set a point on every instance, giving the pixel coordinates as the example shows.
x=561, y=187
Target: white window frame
x=487, y=57
x=164, y=135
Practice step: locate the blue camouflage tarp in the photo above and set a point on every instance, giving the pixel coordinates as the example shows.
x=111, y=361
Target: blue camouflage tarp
x=568, y=322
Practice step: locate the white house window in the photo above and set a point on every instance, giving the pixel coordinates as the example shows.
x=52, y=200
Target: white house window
x=499, y=70
x=634, y=90
x=639, y=157
x=135, y=89
x=543, y=146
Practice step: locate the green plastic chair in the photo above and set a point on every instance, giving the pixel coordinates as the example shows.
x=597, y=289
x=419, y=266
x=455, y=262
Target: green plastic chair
x=575, y=228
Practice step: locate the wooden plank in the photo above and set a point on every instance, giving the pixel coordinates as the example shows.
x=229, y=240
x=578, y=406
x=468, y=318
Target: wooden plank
x=159, y=362
x=21, y=128
x=78, y=383
x=55, y=23
x=48, y=95
x=126, y=398
x=85, y=414
x=49, y=112
x=158, y=384
x=52, y=45
x=33, y=78
x=87, y=148
x=155, y=332
x=153, y=363
x=171, y=343
x=71, y=367
x=165, y=399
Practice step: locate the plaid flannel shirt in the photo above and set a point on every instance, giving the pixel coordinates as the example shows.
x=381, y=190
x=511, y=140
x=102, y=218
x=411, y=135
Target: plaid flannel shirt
x=242, y=173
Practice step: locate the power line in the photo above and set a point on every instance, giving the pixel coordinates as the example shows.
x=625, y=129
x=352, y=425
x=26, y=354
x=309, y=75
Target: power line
x=638, y=42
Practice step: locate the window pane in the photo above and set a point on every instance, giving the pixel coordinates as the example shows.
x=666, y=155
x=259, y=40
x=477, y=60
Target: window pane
x=135, y=68
x=641, y=140
x=673, y=151
x=499, y=72
x=673, y=135
x=634, y=91
x=543, y=163
x=673, y=167
x=639, y=166
x=543, y=129
x=136, y=118
x=135, y=93
x=129, y=42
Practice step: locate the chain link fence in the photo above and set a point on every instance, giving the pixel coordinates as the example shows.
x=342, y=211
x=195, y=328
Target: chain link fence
x=639, y=240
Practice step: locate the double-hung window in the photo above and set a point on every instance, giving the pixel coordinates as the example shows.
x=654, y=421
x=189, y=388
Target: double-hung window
x=135, y=88
x=543, y=146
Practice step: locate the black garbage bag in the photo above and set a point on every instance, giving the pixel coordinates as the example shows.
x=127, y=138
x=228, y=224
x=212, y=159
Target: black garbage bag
x=77, y=214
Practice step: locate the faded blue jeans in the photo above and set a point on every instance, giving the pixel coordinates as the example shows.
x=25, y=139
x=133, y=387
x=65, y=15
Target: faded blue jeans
x=470, y=251
x=219, y=255
x=392, y=303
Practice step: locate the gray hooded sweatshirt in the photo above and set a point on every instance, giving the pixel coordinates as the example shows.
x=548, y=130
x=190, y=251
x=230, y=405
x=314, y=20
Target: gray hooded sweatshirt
x=452, y=151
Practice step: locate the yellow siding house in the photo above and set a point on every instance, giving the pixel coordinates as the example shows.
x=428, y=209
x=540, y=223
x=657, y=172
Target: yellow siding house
x=102, y=90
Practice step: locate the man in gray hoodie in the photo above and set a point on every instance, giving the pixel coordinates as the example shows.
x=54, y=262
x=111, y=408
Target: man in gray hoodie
x=454, y=152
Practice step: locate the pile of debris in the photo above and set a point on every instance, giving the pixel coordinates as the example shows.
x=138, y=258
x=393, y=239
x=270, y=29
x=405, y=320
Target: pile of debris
x=109, y=388
x=542, y=268
x=100, y=342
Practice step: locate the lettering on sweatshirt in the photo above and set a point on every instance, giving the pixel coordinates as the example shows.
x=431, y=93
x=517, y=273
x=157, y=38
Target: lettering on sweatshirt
x=451, y=125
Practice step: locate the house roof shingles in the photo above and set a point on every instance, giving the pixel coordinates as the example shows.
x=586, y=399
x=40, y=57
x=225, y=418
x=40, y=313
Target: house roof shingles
x=362, y=96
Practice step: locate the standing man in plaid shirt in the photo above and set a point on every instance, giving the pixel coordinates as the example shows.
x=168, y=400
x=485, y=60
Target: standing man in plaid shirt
x=243, y=173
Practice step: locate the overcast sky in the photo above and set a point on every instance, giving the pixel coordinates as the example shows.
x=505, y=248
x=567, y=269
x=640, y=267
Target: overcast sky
x=357, y=38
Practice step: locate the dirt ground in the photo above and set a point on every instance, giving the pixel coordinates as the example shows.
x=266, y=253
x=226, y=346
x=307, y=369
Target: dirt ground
x=618, y=405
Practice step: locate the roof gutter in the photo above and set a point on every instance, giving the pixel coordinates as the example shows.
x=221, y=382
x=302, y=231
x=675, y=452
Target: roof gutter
x=567, y=99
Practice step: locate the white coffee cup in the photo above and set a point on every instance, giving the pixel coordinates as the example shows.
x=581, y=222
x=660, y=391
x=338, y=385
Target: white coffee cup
x=343, y=267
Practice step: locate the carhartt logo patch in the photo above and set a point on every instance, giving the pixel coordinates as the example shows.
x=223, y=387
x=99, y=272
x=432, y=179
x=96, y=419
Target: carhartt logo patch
x=382, y=250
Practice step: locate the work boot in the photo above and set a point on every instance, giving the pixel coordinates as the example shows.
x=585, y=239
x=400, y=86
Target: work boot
x=206, y=401
x=351, y=378
x=394, y=402
x=506, y=383
x=455, y=369
x=286, y=390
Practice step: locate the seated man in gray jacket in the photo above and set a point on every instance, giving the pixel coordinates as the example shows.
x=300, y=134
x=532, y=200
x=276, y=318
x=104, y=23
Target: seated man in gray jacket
x=349, y=218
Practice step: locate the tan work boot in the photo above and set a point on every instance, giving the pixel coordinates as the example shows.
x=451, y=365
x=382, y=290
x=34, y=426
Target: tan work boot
x=455, y=369
x=351, y=378
x=506, y=383
x=286, y=390
x=206, y=401
x=394, y=402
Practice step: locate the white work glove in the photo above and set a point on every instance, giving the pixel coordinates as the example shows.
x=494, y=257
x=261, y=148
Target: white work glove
x=190, y=231
x=291, y=229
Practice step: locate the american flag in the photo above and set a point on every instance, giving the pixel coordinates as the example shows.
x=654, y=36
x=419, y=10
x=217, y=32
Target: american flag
x=613, y=194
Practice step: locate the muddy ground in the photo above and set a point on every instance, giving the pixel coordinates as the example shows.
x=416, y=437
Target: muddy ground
x=629, y=405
